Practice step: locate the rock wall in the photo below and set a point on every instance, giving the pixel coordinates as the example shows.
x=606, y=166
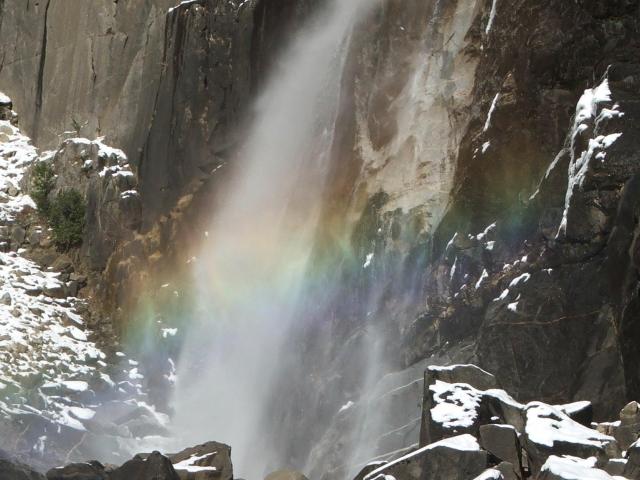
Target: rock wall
x=473, y=212
x=478, y=269
x=204, y=86
x=87, y=66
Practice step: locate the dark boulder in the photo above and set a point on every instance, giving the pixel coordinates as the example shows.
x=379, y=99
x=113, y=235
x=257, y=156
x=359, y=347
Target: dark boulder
x=508, y=471
x=10, y=470
x=154, y=467
x=79, y=471
x=502, y=442
x=632, y=469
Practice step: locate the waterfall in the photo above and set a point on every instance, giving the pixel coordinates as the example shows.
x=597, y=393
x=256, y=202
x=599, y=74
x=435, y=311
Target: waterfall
x=252, y=265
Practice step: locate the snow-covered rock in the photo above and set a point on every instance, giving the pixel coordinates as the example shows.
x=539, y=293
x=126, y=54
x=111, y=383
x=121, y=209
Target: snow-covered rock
x=211, y=460
x=572, y=468
x=455, y=408
x=454, y=458
x=550, y=431
x=104, y=177
x=490, y=474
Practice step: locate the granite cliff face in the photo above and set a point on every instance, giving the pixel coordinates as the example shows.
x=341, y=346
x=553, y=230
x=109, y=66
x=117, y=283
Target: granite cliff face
x=94, y=64
x=481, y=202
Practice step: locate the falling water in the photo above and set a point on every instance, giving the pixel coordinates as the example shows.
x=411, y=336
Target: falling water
x=253, y=263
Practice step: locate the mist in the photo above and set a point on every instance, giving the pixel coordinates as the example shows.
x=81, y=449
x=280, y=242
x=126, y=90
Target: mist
x=252, y=266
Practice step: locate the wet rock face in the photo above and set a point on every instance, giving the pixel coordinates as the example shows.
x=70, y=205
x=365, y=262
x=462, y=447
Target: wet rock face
x=550, y=312
x=567, y=281
x=203, y=87
x=538, y=292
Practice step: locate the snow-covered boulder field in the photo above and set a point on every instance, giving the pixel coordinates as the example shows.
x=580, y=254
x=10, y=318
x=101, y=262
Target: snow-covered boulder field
x=473, y=430
x=66, y=391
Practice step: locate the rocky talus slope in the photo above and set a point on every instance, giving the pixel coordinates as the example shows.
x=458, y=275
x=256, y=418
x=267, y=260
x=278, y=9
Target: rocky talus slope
x=471, y=430
x=66, y=391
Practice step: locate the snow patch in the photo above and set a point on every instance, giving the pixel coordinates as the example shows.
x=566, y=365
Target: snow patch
x=492, y=16
x=188, y=464
x=572, y=468
x=346, y=406
x=524, y=278
x=491, y=474
x=547, y=425
x=585, y=118
x=492, y=109
x=483, y=276
x=368, y=260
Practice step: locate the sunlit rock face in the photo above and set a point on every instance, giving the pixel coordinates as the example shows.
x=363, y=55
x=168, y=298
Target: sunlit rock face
x=91, y=66
x=413, y=93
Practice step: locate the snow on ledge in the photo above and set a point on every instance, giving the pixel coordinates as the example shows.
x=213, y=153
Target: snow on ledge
x=183, y=3
x=547, y=425
x=188, y=464
x=572, y=468
x=491, y=474
x=463, y=443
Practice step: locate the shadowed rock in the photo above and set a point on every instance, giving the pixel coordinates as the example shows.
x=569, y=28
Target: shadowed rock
x=154, y=467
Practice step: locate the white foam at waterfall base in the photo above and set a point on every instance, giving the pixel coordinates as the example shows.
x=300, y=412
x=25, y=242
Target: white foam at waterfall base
x=254, y=259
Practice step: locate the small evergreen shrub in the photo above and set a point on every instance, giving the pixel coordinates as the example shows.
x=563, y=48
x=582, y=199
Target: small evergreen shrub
x=42, y=184
x=66, y=218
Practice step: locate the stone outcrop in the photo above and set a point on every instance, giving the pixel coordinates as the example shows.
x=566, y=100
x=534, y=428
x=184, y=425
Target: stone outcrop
x=548, y=445
x=211, y=460
x=103, y=176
